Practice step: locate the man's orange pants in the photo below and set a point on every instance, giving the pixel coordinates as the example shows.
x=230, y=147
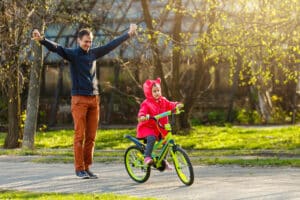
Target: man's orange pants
x=85, y=112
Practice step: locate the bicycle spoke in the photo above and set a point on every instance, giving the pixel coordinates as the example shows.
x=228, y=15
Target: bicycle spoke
x=183, y=166
x=134, y=163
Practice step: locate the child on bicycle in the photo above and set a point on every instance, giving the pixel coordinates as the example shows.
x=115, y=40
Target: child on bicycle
x=154, y=104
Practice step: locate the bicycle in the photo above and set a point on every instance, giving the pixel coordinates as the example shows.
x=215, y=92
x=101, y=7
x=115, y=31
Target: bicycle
x=134, y=155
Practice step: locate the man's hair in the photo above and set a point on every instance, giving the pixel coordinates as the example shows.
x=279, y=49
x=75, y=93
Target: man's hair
x=83, y=32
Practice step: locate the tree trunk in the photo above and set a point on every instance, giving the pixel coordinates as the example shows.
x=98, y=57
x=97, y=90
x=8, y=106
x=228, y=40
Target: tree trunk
x=58, y=89
x=155, y=48
x=112, y=93
x=184, y=117
x=176, y=63
x=33, y=95
x=198, y=78
x=265, y=105
x=296, y=100
x=14, y=109
x=234, y=88
x=14, y=99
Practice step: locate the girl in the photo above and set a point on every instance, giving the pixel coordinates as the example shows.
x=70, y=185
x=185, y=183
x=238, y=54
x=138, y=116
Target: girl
x=154, y=104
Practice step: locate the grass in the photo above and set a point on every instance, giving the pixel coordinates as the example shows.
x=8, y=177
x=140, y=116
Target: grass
x=8, y=194
x=201, y=137
x=241, y=138
x=205, y=145
x=273, y=162
x=106, y=139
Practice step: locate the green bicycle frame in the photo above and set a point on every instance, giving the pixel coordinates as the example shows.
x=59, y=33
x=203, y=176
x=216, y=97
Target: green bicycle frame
x=165, y=143
x=134, y=155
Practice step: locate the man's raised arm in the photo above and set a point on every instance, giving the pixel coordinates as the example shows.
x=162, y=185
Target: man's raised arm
x=52, y=46
x=103, y=50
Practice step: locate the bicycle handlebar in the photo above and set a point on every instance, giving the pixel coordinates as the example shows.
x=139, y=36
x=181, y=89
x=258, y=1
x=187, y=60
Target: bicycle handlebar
x=175, y=111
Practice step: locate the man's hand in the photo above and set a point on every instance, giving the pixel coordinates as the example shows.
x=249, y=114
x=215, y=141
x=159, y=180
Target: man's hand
x=132, y=30
x=36, y=35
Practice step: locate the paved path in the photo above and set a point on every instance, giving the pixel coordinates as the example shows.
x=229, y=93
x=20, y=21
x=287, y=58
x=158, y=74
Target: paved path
x=211, y=182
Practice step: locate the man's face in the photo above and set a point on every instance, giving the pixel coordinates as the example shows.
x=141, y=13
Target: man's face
x=85, y=42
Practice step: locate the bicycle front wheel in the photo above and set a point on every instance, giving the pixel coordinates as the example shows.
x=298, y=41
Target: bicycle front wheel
x=134, y=164
x=183, y=166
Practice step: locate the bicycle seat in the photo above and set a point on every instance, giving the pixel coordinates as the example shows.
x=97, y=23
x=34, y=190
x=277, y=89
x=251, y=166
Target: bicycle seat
x=135, y=140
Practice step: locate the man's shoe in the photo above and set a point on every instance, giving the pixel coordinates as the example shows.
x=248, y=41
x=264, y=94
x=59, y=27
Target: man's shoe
x=91, y=174
x=82, y=174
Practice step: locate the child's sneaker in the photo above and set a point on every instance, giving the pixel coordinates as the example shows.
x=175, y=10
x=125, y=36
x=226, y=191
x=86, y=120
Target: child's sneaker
x=148, y=161
x=168, y=165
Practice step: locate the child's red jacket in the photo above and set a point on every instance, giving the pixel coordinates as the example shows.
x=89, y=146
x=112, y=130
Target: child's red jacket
x=153, y=107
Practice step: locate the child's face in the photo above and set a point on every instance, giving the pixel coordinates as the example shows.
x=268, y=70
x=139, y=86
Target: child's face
x=156, y=91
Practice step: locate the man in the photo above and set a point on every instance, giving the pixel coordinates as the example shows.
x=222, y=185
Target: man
x=85, y=94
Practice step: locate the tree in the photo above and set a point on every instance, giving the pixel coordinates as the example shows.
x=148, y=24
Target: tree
x=249, y=37
x=77, y=14
x=34, y=82
x=14, y=28
x=154, y=45
x=43, y=15
x=266, y=47
x=184, y=85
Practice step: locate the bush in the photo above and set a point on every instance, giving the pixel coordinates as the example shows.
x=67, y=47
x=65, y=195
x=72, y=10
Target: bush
x=248, y=117
x=195, y=121
x=217, y=117
x=279, y=115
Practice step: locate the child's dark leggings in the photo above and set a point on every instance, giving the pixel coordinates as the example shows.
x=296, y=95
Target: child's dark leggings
x=150, y=144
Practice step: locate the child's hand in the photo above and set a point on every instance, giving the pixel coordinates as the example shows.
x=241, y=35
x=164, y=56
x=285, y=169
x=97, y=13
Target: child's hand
x=143, y=118
x=180, y=105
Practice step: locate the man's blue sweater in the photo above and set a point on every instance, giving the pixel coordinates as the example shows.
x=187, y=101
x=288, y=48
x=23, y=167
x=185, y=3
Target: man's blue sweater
x=83, y=64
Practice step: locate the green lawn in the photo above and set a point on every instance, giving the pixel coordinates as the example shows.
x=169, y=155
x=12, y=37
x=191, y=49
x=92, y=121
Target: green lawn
x=211, y=137
x=201, y=137
x=205, y=144
x=59, y=196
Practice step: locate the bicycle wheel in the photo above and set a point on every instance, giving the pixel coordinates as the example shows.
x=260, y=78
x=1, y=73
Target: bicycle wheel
x=183, y=166
x=134, y=164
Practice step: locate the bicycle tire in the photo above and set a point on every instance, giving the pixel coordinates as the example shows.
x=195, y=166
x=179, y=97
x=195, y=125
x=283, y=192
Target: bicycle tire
x=134, y=164
x=183, y=166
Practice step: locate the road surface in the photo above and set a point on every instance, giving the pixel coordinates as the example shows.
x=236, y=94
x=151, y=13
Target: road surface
x=211, y=182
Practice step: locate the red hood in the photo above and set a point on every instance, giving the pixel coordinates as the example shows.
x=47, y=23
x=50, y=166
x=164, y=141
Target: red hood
x=148, y=88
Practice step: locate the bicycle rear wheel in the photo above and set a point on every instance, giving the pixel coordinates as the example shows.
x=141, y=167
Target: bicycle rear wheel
x=134, y=164
x=183, y=166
